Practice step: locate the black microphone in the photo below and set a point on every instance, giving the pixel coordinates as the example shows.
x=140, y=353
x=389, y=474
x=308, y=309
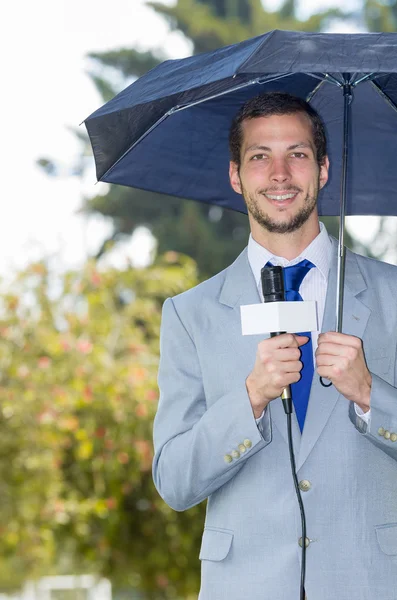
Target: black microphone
x=273, y=291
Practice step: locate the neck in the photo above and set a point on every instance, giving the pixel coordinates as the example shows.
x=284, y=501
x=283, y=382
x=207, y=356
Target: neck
x=286, y=245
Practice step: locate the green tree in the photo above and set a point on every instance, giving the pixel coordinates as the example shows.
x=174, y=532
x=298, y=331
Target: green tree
x=78, y=365
x=381, y=16
x=213, y=237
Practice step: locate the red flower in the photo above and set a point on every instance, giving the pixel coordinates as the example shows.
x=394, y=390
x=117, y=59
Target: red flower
x=84, y=346
x=111, y=503
x=100, y=432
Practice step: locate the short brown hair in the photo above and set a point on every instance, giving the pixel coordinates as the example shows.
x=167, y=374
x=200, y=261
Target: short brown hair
x=276, y=103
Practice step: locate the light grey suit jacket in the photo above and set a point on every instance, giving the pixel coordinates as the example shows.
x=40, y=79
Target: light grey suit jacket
x=250, y=542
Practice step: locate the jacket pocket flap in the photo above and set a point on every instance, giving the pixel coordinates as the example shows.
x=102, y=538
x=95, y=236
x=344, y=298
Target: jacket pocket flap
x=387, y=538
x=215, y=544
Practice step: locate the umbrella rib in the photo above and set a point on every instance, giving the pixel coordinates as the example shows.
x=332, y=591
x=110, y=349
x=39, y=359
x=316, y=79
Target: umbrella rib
x=327, y=78
x=385, y=97
x=110, y=169
x=257, y=80
x=362, y=79
x=310, y=96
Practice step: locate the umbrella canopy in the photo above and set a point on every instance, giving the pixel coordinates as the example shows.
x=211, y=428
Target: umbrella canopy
x=168, y=131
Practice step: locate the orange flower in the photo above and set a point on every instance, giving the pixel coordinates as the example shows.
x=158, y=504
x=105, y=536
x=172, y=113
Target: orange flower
x=87, y=393
x=70, y=423
x=123, y=458
x=138, y=374
x=145, y=454
x=171, y=257
x=141, y=411
x=44, y=362
x=152, y=395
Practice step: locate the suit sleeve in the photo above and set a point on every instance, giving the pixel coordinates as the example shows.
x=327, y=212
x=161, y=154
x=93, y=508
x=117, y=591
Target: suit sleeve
x=382, y=428
x=197, y=448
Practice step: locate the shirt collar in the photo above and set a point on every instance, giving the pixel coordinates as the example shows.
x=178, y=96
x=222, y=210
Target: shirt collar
x=319, y=252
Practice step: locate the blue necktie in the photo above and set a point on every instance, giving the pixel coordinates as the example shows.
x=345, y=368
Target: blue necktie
x=293, y=277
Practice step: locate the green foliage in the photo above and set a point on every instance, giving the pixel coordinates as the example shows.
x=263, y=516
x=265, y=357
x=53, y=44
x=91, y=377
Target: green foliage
x=381, y=16
x=208, y=28
x=130, y=62
x=78, y=393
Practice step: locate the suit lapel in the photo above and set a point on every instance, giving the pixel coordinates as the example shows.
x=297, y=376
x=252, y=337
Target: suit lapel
x=240, y=289
x=354, y=321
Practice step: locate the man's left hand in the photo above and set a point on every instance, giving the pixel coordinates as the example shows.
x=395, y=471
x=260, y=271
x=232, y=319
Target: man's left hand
x=340, y=358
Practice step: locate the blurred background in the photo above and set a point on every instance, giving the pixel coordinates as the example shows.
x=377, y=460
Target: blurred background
x=84, y=271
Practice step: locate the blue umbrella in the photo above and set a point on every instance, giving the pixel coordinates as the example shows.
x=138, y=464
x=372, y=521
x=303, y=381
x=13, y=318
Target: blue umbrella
x=168, y=131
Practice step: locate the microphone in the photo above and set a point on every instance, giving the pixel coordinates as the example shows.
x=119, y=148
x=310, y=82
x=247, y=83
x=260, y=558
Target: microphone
x=273, y=291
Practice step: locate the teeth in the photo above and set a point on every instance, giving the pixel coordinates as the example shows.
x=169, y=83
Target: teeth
x=283, y=197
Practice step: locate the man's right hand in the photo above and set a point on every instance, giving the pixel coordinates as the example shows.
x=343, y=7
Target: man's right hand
x=277, y=365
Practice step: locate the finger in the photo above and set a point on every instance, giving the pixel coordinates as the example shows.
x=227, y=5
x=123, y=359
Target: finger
x=276, y=369
x=302, y=339
x=285, y=340
x=287, y=354
x=335, y=366
x=325, y=372
x=325, y=360
x=333, y=349
x=340, y=338
x=285, y=379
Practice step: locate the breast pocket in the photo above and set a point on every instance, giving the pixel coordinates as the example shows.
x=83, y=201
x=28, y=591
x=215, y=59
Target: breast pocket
x=387, y=538
x=215, y=544
x=379, y=362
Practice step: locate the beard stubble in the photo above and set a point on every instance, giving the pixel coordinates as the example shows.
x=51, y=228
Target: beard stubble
x=293, y=224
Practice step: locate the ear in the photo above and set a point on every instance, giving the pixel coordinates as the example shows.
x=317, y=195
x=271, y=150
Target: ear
x=324, y=170
x=234, y=177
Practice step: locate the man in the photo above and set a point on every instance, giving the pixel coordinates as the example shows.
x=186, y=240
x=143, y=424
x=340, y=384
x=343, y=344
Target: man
x=220, y=431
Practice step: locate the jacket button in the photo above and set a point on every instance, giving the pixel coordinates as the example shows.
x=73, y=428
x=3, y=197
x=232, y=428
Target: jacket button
x=227, y=458
x=393, y=437
x=307, y=542
x=381, y=431
x=387, y=435
x=242, y=448
x=236, y=454
x=247, y=443
x=305, y=485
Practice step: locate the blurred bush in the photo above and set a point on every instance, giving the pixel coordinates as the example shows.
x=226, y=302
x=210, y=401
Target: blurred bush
x=78, y=393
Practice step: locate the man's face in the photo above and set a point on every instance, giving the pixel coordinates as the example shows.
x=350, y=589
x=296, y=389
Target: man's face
x=279, y=176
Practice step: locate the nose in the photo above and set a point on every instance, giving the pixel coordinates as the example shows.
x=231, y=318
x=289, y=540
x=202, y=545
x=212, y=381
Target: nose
x=280, y=172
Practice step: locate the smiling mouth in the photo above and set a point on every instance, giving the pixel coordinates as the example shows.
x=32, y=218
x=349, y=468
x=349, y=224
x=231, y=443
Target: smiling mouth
x=281, y=197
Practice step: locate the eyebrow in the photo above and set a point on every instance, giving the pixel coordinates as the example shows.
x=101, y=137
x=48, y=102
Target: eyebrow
x=267, y=149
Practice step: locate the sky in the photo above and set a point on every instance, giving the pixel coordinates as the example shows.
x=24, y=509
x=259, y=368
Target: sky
x=44, y=46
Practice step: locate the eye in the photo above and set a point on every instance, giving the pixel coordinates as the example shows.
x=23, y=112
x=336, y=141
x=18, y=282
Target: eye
x=258, y=157
x=298, y=155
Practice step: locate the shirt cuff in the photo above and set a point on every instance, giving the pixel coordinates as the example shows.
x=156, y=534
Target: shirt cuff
x=365, y=416
x=259, y=419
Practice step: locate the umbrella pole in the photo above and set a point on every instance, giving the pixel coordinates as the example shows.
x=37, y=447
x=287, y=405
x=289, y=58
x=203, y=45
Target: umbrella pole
x=347, y=98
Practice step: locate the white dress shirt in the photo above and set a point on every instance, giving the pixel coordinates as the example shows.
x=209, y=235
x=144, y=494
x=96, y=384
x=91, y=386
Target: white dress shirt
x=314, y=285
